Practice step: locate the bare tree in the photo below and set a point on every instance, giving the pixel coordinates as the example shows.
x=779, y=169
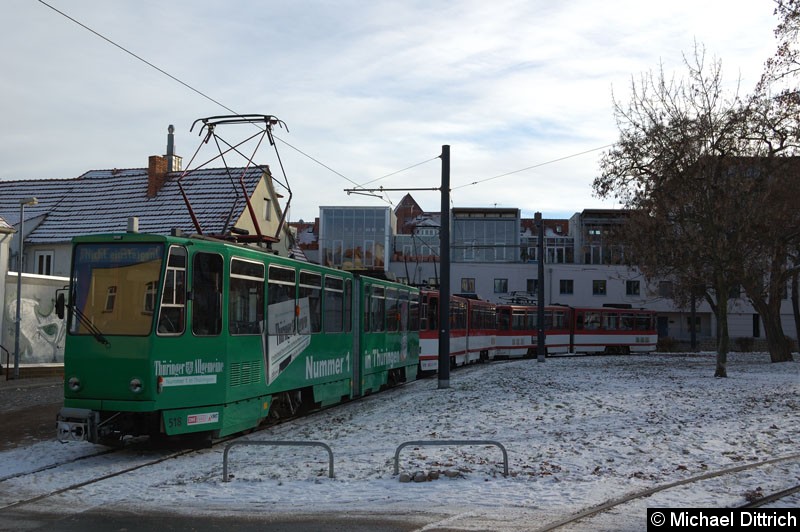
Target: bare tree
x=670, y=168
x=780, y=76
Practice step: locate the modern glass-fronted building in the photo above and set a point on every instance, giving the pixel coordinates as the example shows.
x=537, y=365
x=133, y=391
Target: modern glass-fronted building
x=356, y=238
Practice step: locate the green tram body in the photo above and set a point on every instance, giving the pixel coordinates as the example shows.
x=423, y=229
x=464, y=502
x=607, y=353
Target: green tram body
x=172, y=336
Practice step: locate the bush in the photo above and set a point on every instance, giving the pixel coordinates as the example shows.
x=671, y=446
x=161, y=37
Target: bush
x=744, y=344
x=667, y=344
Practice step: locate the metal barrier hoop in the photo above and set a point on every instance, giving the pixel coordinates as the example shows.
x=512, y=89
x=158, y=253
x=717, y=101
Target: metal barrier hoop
x=276, y=444
x=450, y=442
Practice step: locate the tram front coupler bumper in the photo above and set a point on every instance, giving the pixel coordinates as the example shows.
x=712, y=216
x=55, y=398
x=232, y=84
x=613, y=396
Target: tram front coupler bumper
x=77, y=424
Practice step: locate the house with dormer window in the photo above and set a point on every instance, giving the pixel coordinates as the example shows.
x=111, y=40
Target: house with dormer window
x=161, y=198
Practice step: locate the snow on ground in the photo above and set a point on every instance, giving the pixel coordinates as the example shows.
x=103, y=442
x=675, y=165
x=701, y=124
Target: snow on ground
x=579, y=431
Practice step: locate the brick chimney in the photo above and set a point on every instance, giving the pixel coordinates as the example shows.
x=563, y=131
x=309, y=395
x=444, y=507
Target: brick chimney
x=156, y=174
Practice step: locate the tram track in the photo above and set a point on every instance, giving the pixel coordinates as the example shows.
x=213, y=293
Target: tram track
x=773, y=497
x=20, y=474
x=615, y=503
x=29, y=476
x=93, y=480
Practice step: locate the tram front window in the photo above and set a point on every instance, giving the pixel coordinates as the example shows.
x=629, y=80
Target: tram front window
x=114, y=287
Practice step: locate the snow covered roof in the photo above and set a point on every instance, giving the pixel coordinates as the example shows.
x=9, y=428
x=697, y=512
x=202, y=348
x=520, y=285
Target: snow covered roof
x=101, y=201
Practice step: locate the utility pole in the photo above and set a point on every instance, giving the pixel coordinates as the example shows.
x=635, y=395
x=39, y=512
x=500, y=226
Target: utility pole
x=444, y=257
x=540, y=347
x=444, y=279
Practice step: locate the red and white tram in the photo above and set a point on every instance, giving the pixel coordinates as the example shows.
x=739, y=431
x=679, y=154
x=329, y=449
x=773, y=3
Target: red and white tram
x=613, y=330
x=481, y=331
x=518, y=330
x=472, y=331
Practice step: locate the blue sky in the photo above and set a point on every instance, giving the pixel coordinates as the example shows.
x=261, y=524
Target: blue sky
x=367, y=88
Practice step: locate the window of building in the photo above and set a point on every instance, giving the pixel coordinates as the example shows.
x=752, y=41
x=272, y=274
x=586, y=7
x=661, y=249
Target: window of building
x=566, y=286
x=267, y=209
x=468, y=285
x=532, y=286
x=632, y=288
x=599, y=287
x=501, y=286
x=44, y=262
x=559, y=250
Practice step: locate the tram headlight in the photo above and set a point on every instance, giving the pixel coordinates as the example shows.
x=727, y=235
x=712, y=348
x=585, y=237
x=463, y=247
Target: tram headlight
x=74, y=384
x=135, y=385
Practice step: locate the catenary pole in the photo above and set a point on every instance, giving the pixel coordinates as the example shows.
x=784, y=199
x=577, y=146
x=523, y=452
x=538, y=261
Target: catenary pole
x=540, y=347
x=444, y=276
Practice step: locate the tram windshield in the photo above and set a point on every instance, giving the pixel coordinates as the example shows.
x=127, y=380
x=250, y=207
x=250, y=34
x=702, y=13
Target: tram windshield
x=114, y=286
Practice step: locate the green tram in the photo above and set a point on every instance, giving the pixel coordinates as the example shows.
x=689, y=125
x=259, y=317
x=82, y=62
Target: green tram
x=170, y=336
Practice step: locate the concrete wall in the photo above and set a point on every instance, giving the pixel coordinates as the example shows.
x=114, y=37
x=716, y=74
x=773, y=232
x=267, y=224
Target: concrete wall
x=42, y=333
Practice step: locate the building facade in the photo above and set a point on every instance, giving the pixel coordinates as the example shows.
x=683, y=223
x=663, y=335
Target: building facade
x=356, y=238
x=494, y=256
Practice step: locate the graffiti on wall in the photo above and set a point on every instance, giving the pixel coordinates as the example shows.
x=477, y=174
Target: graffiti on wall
x=41, y=332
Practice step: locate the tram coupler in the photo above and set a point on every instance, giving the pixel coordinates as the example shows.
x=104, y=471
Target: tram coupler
x=77, y=424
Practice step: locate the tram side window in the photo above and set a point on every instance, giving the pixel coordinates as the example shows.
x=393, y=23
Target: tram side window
x=246, y=300
x=591, y=321
x=309, y=297
x=644, y=322
x=281, y=305
x=458, y=315
x=392, y=310
x=334, y=304
x=518, y=320
x=348, y=305
x=413, y=312
x=405, y=311
x=611, y=322
x=377, y=309
x=627, y=322
x=171, y=318
x=503, y=319
x=207, y=294
x=533, y=319
x=433, y=314
x=559, y=319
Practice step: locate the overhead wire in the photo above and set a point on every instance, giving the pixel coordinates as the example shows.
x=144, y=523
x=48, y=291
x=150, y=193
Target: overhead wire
x=533, y=166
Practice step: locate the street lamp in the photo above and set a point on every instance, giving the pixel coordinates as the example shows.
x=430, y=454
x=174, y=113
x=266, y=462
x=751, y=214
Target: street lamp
x=22, y=203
